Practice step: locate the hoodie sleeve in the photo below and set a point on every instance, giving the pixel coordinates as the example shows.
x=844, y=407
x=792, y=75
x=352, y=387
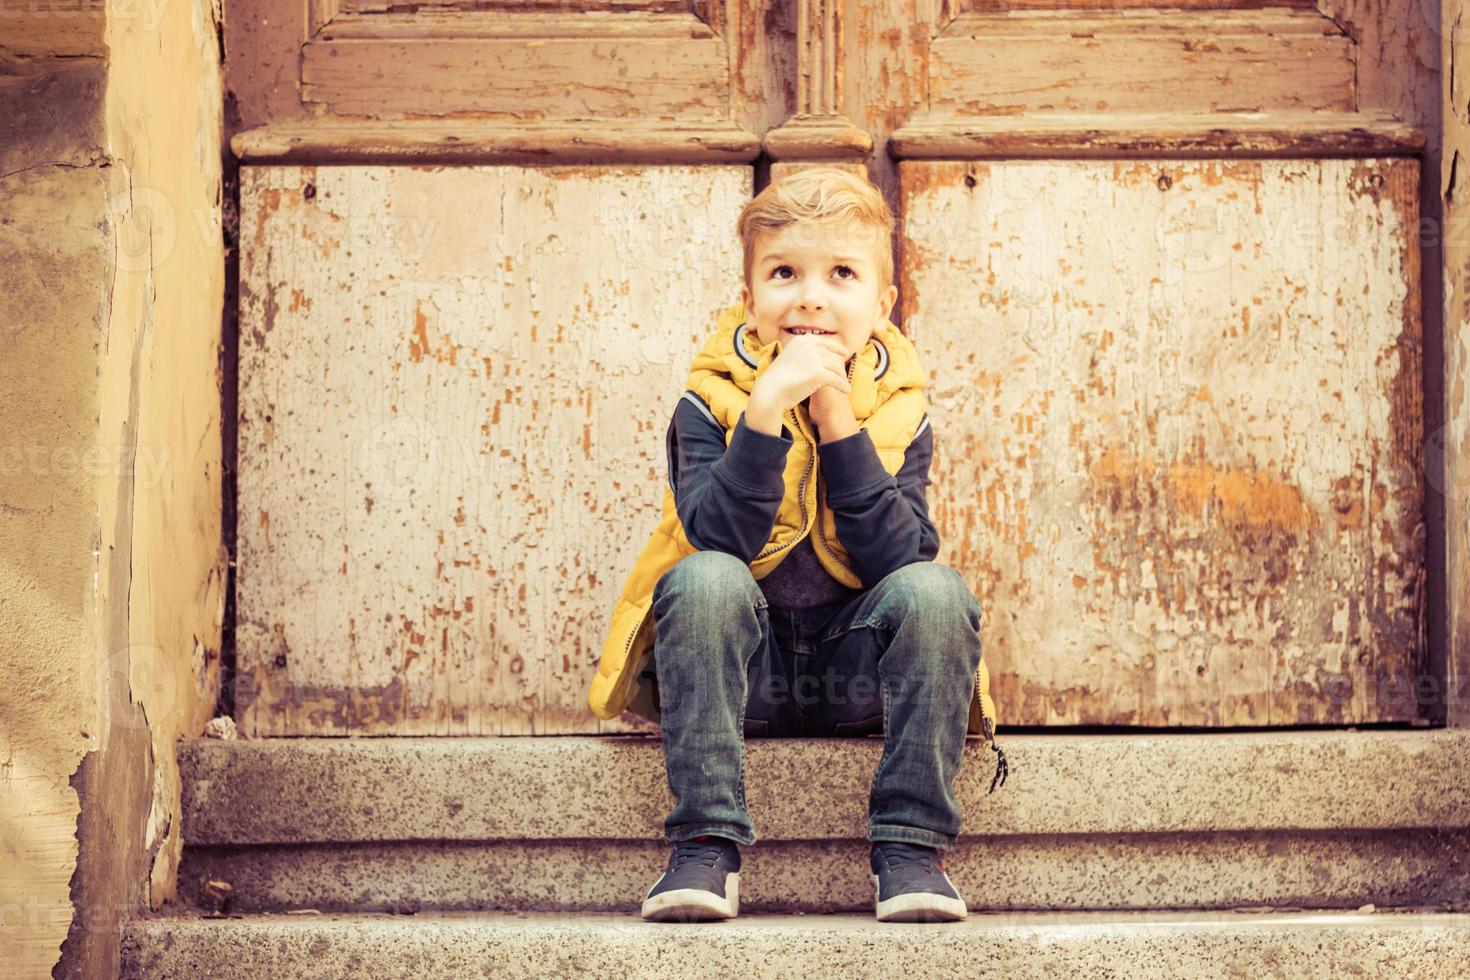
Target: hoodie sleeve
x=726, y=497
x=882, y=520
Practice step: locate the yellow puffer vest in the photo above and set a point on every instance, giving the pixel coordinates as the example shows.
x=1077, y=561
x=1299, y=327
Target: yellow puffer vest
x=888, y=401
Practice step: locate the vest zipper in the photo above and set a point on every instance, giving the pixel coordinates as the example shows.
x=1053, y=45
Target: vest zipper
x=819, y=529
x=801, y=488
x=811, y=463
x=628, y=647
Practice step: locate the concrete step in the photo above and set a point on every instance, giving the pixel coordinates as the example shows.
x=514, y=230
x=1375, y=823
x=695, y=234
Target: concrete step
x=1301, y=945
x=1218, y=820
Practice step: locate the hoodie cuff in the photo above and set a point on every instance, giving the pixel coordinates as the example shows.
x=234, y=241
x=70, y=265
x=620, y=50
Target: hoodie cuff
x=852, y=466
x=756, y=461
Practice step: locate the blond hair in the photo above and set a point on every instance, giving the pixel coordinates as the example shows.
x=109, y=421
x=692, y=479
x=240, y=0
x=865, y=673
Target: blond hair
x=825, y=196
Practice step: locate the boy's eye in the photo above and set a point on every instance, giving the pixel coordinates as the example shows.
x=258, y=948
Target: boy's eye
x=776, y=272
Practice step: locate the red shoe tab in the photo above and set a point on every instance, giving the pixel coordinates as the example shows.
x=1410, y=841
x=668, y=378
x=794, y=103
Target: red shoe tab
x=702, y=837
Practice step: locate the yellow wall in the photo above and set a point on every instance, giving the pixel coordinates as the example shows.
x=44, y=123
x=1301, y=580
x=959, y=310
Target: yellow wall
x=162, y=371
x=111, y=567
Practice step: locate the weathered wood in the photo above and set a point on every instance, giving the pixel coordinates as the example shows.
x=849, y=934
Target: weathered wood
x=887, y=78
x=762, y=63
x=467, y=142
x=819, y=129
x=817, y=138
x=1156, y=136
x=58, y=28
x=818, y=57
x=262, y=61
x=320, y=13
x=1162, y=8
x=1186, y=62
x=528, y=62
x=549, y=79
x=1117, y=61
x=781, y=168
x=572, y=7
x=1177, y=418
x=443, y=25
x=453, y=391
x=1447, y=448
x=1406, y=56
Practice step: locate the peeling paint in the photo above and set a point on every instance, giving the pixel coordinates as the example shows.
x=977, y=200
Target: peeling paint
x=465, y=444
x=1165, y=413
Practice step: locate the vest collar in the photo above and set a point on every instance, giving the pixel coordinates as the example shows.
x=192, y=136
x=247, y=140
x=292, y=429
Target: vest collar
x=734, y=356
x=742, y=331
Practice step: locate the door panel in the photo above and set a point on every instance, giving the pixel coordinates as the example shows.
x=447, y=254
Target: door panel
x=1185, y=61
x=454, y=385
x=596, y=61
x=359, y=69
x=1177, y=421
x=1176, y=397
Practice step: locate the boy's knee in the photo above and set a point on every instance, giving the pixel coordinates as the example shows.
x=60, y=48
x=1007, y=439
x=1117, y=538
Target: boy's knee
x=711, y=578
x=927, y=586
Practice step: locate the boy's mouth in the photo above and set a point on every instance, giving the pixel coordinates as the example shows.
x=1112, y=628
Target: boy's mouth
x=798, y=331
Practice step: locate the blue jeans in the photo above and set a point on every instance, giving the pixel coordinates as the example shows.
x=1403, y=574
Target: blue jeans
x=899, y=658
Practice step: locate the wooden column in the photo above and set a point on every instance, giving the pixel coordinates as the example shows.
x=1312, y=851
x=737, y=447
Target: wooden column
x=818, y=131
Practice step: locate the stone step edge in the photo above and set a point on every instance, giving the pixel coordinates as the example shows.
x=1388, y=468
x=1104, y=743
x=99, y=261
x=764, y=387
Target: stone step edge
x=284, y=791
x=1318, y=869
x=1304, y=945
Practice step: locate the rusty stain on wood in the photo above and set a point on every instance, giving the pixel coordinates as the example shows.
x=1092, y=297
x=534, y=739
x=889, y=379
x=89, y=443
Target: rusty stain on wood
x=445, y=540
x=1176, y=410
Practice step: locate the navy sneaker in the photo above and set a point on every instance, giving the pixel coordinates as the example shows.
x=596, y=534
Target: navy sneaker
x=701, y=882
x=911, y=885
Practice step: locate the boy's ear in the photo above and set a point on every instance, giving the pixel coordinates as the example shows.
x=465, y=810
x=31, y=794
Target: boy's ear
x=745, y=299
x=886, y=299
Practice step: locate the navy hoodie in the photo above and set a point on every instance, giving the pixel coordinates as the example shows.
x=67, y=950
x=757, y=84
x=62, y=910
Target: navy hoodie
x=727, y=498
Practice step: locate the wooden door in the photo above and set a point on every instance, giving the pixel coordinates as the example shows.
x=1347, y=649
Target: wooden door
x=1161, y=263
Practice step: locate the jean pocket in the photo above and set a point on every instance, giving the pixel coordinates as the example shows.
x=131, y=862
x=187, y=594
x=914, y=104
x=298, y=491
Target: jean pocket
x=836, y=632
x=857, y=729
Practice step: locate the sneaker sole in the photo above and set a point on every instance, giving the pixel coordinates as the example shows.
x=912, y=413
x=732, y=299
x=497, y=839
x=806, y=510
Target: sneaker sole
x=919, y=907
x=695, y=904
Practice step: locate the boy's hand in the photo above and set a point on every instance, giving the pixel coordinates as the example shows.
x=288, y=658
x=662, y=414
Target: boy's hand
x=831, y=412
x=809, y=362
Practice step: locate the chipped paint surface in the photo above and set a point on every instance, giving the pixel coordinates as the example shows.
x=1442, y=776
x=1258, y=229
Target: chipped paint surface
x=1177, y=422
x=454, y=387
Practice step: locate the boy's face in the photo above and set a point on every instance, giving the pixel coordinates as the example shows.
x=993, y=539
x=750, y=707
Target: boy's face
x=817, y=275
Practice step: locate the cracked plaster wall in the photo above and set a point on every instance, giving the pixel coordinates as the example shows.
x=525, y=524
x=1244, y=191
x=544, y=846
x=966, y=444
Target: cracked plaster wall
x=111, y=565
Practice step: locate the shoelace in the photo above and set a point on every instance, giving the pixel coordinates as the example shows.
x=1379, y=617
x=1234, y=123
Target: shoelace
x=899, y=856
x=689, y=851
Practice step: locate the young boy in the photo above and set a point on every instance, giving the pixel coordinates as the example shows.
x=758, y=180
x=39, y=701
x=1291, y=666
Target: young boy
x=790, y=589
